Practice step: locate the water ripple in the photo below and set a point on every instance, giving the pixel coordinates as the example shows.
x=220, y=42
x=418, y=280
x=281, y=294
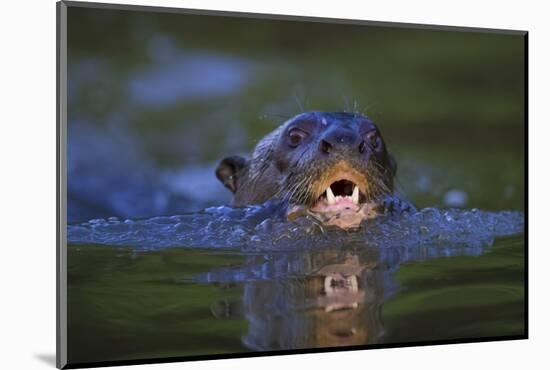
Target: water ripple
x=264, y=228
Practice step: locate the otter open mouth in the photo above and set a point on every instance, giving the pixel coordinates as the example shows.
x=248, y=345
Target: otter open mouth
x=340, y=196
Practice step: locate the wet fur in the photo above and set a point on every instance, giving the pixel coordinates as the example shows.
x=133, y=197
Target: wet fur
x=268, y=174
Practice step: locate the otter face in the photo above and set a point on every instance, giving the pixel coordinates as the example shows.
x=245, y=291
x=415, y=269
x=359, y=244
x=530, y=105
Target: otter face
x=333, y=160
x=332, y=164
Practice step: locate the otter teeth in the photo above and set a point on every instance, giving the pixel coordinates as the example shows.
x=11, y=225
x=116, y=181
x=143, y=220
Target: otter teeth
x=355, y=195
x=331, y=199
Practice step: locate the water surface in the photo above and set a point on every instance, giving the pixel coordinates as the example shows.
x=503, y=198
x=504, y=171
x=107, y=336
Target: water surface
x=221, y=281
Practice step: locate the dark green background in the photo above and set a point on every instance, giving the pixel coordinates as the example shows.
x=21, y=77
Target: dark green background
x=450, y=104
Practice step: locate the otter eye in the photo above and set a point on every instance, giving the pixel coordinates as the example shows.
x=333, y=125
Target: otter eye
x=296, y=136
x=374, y=140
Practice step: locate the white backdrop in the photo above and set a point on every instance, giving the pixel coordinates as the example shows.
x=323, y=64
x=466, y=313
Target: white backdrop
x=27, y=154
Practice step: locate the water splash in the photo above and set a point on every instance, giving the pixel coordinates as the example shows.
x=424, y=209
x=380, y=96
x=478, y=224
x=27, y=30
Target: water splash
x=258, y=228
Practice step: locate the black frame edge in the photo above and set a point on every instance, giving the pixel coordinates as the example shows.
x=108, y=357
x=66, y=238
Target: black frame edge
x=61, y=105
x=526, y=186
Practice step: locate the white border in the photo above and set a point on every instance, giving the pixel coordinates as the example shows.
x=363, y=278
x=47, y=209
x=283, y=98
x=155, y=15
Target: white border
x=28, y=186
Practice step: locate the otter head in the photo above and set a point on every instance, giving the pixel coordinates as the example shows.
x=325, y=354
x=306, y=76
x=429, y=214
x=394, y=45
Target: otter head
x=332, y=165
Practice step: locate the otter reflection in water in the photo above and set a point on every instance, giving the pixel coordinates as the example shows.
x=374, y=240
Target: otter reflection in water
x=335, y=303
x=309, y=299
x=318, y=297
x=334, y=167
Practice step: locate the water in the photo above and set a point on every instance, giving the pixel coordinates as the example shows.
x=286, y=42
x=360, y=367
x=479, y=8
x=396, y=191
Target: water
x=159, y=265
x=264, y=228
x=220, y=281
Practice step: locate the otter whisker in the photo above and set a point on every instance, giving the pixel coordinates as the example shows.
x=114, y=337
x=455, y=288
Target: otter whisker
x=286, y=191
x=300, y=105
x=346, y=103
x=297, y=189
x=301, y=190
x=400, y=187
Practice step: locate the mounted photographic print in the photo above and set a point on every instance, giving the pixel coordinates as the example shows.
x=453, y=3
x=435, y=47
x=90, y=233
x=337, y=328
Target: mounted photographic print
x=235, y=185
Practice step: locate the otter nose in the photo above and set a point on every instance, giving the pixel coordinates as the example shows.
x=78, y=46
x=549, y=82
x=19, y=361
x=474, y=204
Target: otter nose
x=339, y=140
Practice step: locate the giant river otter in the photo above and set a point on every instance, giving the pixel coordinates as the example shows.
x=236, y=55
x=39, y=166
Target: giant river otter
x=332, y=166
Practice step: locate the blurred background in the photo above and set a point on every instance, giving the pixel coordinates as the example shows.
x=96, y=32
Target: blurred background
x=155, y=100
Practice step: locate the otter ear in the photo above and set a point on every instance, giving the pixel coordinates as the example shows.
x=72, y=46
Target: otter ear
x=228, y=170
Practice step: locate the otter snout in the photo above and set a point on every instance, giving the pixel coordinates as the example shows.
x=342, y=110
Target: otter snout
x=341, y=140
